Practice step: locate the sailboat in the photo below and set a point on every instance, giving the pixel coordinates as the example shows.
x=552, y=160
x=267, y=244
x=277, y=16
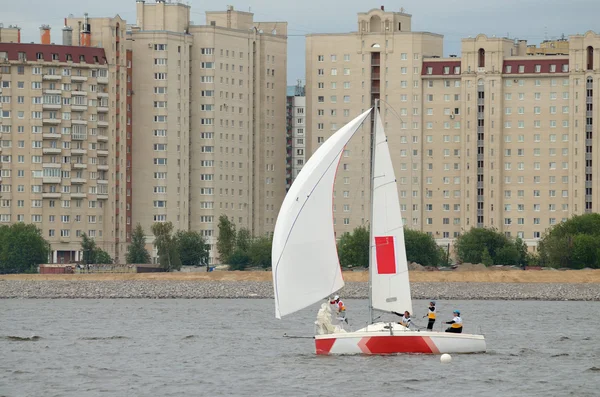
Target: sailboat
x=306, y=267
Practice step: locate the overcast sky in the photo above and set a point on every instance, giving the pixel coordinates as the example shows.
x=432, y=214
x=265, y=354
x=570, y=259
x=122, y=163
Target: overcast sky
x=525, y=19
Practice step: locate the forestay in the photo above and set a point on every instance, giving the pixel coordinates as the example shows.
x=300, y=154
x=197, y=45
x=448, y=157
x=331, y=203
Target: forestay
x=305, y=263
x=390, y=288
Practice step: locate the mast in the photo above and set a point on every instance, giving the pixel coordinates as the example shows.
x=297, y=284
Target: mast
x=372, y=177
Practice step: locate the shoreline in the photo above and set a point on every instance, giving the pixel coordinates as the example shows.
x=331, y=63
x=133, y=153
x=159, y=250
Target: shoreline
x=570, y=285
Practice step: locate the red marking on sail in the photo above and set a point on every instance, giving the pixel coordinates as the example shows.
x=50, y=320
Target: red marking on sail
x=386, y=255
x=324, y=346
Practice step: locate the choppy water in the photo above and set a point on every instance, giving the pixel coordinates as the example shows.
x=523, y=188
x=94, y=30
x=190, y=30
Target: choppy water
x=236, y=348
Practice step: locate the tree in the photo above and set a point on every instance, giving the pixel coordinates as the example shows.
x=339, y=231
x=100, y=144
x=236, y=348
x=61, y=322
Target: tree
x=524, y=257
x=259, y=252
x=486, y=258
x=102, y=257
x=239, y=260
x=226, y=240
x=137, y=252
x=422, y=248
x=88, y=246
x=470, y=246
x=353, y=248
x=574, y=243
x=243, y=239
x=167, y=246
x=193, y=249
x=22, y=248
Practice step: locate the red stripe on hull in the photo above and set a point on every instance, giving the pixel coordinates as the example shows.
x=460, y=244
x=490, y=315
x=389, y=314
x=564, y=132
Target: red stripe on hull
x=398, y=344
x=324, y=345
x=386, y=255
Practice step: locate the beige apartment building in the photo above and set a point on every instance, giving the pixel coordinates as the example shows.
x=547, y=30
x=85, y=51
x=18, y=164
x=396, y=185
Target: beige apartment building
x=54, y=150
x=210, y=119
x=496, y=137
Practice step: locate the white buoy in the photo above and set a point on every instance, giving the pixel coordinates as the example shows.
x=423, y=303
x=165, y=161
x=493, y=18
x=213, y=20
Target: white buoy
x=446, y=358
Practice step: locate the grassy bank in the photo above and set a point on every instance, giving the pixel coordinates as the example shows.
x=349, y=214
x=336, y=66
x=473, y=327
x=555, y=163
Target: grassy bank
x=512, y=276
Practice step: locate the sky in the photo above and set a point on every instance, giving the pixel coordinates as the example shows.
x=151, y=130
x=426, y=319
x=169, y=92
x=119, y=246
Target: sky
x=454, y=19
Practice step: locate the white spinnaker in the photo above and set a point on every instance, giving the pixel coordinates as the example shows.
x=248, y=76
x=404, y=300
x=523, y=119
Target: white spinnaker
x=389, y=291
x=305, y=264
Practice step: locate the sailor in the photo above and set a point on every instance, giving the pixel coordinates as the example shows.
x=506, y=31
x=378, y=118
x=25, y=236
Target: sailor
x=340, y=308
x=405, y=320
x=431, y=316
x=457, y=324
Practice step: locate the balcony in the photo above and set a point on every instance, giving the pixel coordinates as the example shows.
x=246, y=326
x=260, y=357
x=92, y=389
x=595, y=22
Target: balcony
x=78, y=108
x=51, y=150
x=54, y=180
x=102, y=109
x=53, y=92
x=480, y=70
x=78, y=195
x=78, y=79
x=102, y=94
x=52, y=77
x=102, y=196
x=102, y=152
x=78, y=166
x=80, y=122
x=102, y=123
x=50, y=135
x=78, y=152
x=102, y=181
x=51, y=121
x=102, y=80
x=51, y=195
x=79, y=93
x=102, y=167
x=102, y=138
x=51, y=106
x=78, y=181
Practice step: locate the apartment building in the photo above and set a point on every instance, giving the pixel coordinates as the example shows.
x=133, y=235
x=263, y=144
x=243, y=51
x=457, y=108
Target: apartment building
x=499, y=136
x=210, y=119
x=345, y=73
x=295, y=134
x=54, y=131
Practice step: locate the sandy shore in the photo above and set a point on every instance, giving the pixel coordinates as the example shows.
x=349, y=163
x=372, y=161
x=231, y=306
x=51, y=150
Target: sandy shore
x=479, y=285
x=491, y=276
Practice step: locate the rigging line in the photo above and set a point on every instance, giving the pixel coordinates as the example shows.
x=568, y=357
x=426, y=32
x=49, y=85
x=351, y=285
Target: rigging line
x=338, y=157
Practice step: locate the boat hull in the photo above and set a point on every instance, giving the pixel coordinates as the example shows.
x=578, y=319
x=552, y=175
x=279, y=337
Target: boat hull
x=367, y=341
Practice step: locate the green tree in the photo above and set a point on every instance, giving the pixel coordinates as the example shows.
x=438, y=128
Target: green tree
x=102, y=257
x=507, y=255
x=470, y=246
x=226, y=240
x=22, y=248
x=574, y=243
x=193, y=249
x=353, y=248
x=524, y=256
x=243, y=239
x=167, y=246
x=422, y=248
x=137, y=252
x=486, y=258
x=259, y=252
x=239, y=260
x=88, y=246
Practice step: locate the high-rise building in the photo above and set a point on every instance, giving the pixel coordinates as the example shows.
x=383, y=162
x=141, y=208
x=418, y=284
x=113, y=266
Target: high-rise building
x=296, y=126
x=496, y=137
x=210, y=120
x=54, y=149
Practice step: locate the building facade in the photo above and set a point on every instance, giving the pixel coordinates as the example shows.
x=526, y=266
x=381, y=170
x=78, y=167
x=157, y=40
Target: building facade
x=499, y=137
x=211, y=141
x=54, y=169
x=296, y=132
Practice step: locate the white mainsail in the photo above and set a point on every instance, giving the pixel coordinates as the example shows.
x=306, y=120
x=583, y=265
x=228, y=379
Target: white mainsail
x=390, y=288
x=305, y=263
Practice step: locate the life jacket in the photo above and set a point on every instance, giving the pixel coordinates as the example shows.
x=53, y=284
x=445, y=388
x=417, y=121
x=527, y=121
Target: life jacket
x=405, y=321
x=457, y=322
x=431, y=314
x=341, y=306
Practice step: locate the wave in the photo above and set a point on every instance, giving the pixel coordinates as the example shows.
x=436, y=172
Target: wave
x=593, y=369
x=560, y=355
x=190, y=337
x=22, y=338
x=103, y=337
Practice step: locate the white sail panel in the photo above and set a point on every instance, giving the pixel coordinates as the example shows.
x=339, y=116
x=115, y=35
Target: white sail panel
x=305, y=264
x=390, y=288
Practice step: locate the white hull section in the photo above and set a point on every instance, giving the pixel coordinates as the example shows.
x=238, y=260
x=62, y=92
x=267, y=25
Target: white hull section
x=380, y=339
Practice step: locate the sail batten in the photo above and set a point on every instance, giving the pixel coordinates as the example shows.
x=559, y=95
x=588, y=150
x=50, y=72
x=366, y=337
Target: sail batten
x=305, y=264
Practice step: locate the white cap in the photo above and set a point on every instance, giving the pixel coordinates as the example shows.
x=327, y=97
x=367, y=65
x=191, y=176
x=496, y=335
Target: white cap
x=336, y=297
